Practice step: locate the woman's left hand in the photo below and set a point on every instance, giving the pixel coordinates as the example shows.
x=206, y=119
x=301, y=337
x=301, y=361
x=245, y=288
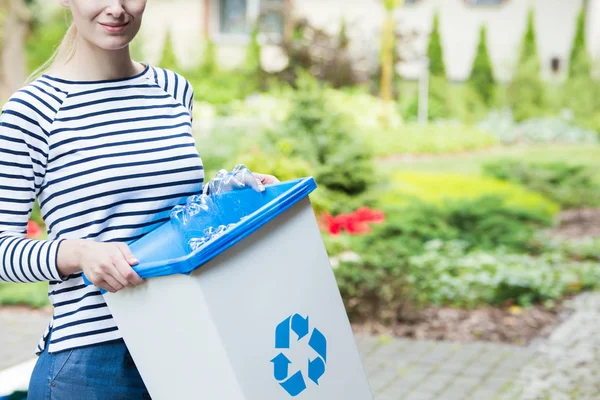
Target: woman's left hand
x=264, y=179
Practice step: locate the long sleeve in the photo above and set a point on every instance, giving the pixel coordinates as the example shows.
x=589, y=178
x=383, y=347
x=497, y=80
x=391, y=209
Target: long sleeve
x=23, y=160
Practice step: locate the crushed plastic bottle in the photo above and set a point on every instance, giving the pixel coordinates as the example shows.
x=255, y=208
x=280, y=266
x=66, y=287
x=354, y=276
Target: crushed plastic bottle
x=200, y=218
x=239, y=178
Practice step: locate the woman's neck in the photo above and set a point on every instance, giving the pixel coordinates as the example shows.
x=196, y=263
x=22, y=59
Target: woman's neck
x=91, y=63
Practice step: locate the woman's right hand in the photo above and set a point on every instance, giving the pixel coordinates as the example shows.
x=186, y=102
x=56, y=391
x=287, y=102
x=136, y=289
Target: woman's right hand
x=106, y=265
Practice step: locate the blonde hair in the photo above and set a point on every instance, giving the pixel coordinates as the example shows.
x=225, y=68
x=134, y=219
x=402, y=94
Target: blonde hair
x=63, y=53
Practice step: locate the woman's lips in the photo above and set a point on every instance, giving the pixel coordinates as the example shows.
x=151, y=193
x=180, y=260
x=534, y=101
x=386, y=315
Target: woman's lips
x=114, y=28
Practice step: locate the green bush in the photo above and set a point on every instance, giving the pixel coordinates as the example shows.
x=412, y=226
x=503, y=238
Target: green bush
x=341, y=159
x=482, y=76
x=24, y=294
x=439, y=102
x=526, y=92
x=438, y=188
x=46, y=33
x=389, y=277
x=579, y=61
x=569, y=185
x=378, y=286
x=168, y=60
x=435, y=52
x=446, y=274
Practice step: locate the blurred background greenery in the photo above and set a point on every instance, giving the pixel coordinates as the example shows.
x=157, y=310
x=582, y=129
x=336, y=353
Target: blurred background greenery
x=475, y=195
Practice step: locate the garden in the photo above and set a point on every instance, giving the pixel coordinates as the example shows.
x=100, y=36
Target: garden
x=473, y=225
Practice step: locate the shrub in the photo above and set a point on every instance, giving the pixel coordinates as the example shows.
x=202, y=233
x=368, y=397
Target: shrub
x=526, y=92
x=168, y=59
x=434, y=50
x=46, y=33
x=568, y=185
x=482, y=75
x=390, y=277
x=438, y=188
x=579, y=61
x=318, y=134
x=447, y=275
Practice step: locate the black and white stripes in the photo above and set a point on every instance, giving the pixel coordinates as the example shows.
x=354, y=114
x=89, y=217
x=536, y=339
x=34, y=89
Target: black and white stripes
x=107, y=161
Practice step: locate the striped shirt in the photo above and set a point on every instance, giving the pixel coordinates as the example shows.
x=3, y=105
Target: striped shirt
x=107, y=160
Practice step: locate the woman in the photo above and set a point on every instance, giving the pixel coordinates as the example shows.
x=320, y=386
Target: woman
x=105, y=145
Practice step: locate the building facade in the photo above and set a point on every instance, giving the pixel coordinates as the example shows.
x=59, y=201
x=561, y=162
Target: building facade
x=228, y=23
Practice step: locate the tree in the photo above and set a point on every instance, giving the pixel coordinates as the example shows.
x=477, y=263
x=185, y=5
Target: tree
x=482, y=75
x=168, y=59
x=526, y=92
x=529, y=46
x=388, y=50
x=435, y=52
x=579, y=62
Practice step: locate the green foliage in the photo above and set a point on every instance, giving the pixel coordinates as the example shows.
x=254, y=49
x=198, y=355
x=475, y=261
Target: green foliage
x=526, y=93
x=584, y=249
x=435, y=51
x=220, y=87
x=399, y=268
x=447, y=274
x=448, y=102
x=529, y=46
x=569, y=185
x=209, y=58
x=46, y=34
x=439, y=138
x=579, y=61
x=168, y=60
x=322, y=136
x=30, y=294
x=439, y=188
x=482, y=75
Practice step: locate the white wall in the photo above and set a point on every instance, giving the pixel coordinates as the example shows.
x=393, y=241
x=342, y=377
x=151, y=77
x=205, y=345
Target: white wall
x=459, y=23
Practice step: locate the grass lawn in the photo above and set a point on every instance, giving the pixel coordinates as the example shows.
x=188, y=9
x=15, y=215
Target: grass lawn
x=472, y=162
x=30, y=294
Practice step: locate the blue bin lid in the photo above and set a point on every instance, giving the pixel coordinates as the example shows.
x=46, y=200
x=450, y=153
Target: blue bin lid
x=164, y=251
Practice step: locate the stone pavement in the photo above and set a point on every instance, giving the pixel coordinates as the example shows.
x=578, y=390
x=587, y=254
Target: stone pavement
x=401, y=369
x=568, y=363
x=20, y=331
x=565, y=366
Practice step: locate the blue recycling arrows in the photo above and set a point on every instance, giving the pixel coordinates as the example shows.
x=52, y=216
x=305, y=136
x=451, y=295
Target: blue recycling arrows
x=295, y=384
x=300, y=325
x=280, y=364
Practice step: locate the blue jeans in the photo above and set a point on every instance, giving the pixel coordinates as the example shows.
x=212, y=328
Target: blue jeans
x=100, y=372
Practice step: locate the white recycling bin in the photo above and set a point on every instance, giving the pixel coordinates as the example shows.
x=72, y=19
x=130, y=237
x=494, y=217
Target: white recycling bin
x=254, y=314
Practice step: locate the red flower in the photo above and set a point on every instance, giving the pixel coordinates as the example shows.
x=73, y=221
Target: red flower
x=33, y=229
x=355, y=223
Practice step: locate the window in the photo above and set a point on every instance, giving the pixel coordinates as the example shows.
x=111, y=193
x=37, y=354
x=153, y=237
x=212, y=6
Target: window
x=233, y=16
x=272, y=16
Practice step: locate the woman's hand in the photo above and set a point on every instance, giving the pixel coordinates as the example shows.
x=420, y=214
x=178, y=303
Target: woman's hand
x=106, y=265
x=264, y=179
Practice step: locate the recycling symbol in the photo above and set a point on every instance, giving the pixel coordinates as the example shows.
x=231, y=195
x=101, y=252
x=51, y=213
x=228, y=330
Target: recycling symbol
x=296, y=384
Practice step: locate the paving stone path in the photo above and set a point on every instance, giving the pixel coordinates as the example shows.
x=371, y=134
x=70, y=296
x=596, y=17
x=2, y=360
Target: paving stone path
x=567, y=366
x=564, y=367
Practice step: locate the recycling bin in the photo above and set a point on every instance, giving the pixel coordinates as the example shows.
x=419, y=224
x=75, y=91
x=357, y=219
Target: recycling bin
x=254, y=313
